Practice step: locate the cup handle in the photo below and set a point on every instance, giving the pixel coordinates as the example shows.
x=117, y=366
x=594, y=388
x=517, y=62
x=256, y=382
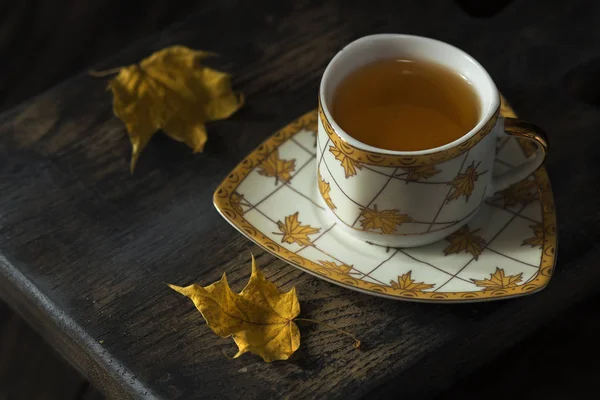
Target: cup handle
x=524, y=130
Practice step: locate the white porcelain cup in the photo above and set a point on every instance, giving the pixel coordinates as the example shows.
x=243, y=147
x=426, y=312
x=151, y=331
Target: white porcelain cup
x=413, y=198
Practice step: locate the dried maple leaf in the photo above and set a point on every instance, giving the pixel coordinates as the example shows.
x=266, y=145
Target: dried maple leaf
x=386, y=220
x=538, y=239
x=348, y=163
x=464, y=183
x=294, y=232
x=171, y=91
x=341, y=268
x=324, y=189
x=465, y=240
x=498, y=280
x=520, y=193
x=273, y=166
x=405, y=282
x=235, y=200
x=505, y=108
x=413, y=174
x=259, y=318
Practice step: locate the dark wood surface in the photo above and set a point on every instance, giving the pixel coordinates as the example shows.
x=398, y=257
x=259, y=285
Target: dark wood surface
x=86, y=247
x=41, y=44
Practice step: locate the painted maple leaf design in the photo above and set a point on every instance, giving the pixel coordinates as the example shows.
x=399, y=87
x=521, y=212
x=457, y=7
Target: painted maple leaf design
x=235, y=200
x=467, y=241
x=464, y=183
x=405, y=282
x=498, y=280
x=386, y=220
x=413, y=174
x=324, y=189
x=538, y=238
x=350, y=166
x=294, y=232
x=520, y=193
x=275, y=167
x=332, y=266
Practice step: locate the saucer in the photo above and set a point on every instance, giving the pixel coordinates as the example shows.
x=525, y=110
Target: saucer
x=507, y=250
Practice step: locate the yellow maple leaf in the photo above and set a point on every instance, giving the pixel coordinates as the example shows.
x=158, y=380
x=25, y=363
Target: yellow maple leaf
x=464, y=183
x=520, y=193
x=413, y=174
x=498, y=280
x=259, y=318
x=172, y=91
x=505, y=108
x=405, y=282
x=273, y=166
x=348, y=163
x=332, y=266
x=465, y=240
x=386, y=220
x=324, y=189
x=294, y=232
x=538, y=238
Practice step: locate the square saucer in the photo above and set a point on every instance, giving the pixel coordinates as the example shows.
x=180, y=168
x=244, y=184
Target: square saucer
x=507, y=250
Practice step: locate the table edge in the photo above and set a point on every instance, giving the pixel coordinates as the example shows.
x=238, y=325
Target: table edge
x=89, y=357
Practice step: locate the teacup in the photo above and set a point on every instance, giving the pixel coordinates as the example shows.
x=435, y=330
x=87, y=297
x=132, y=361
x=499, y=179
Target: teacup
x=392, y=198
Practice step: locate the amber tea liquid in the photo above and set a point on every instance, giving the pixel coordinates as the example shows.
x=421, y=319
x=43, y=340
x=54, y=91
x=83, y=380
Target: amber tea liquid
x=405, y=105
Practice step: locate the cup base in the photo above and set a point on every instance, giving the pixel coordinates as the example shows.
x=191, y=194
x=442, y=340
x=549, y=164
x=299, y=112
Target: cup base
x=398, y=241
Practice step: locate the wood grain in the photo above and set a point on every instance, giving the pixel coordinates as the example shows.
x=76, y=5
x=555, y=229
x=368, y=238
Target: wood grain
x=43, y=43
x=86, y=247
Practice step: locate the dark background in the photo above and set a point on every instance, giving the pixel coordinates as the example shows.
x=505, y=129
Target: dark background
x=45, y=42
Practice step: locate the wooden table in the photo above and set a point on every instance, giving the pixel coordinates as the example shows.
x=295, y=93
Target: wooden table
x=86, y=247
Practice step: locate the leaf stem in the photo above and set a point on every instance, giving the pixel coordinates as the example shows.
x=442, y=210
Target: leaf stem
x=315, y=321
x=104, y=73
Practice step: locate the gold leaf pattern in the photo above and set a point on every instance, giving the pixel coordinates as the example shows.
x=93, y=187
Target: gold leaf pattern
x=350, y=166
x=498, y=280
x=341, y=268
x=324, y=189
x=405, y=282
x=391, y=160
x=519, y=193
x=413, y=174
x=294, y=232
x=235, y=200
x=540, y=280
x=538, y=239
x=465, y=240
x=386, y=220
x=275, y=167
x=464, y=183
